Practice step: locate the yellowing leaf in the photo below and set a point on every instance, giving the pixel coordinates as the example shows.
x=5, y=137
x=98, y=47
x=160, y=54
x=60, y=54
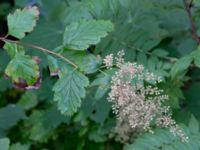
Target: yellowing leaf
x=12, y=49
x=23, y=67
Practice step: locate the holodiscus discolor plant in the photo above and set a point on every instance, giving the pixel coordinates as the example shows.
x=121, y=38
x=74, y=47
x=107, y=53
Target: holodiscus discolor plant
x=66, y=83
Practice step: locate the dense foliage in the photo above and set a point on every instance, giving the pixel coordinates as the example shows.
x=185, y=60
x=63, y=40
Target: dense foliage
x=54, y=85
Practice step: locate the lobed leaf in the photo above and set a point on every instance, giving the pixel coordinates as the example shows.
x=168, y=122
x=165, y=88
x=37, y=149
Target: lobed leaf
x=22, y=21
x=23, y=67
x=80, y=35
x=69, y=90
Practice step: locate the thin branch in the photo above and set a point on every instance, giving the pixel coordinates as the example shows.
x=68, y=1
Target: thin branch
x=171, y=59
x=40, y=49
x=102, y=72
x=188, y=7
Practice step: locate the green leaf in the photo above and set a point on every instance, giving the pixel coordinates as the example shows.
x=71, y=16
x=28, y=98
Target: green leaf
x=69, y=90
x=100, y=111
x=192, y=97
x=43, y=123
x=4, y=143
x=160, y=52
x=28, y=100
x=53, y=66
x=196, y=55
x=80, y=35
x=23, y=67
x=4, y=60
x=96, y=136
x=197, y=61
x=22, y=21
x=97, y=111
x=87, y=63
x=102, y=82
x=50, y=32
x=163, y=139
x=197, y=2
x=193, y=125
x=19, y=146
x=181, y=65
x=76, y=12
x=142, y=58
x=12, y=49
x=20, y=3
x=10, y=115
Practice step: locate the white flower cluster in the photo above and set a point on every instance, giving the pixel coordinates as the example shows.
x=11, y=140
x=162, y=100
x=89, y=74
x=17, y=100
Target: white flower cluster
x=108, y=61
x=137, y=102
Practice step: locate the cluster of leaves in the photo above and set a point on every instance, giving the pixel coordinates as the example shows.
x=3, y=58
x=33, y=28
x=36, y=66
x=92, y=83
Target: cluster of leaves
x=67, y=39
x=163, y=139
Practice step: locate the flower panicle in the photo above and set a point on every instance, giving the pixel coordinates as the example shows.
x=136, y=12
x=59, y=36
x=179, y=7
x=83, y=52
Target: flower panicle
x=136, y=100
